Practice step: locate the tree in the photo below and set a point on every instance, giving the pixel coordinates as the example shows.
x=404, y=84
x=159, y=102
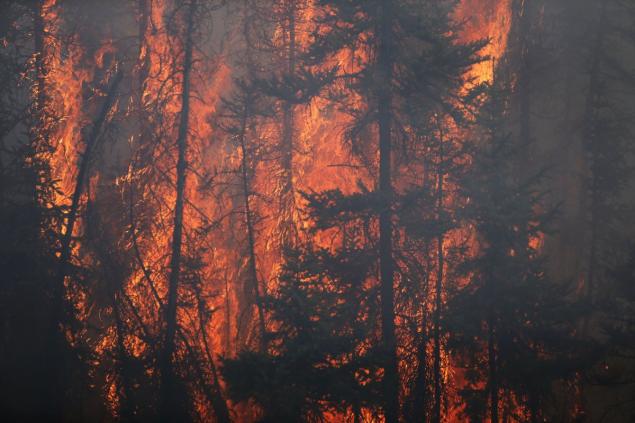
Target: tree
x=240, y=118
x=615, y=370
x=605, y=140
x=510, y=325
x=170, y=408
x=405, y=63
x=283, y=86
x=321, y=315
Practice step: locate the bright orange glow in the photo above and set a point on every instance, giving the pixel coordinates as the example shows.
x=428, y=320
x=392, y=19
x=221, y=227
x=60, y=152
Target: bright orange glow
x=322, y=161
x=490, y=19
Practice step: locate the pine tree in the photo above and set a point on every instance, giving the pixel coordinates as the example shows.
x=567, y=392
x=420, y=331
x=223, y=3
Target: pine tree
x=405, y=63
x=240, y=117
x=510, y=325
x=41, y=371
x=605, y=138
x=169, y=405
x=606, y=130
x=616, y=367
x=287, y=66
x=321, y=313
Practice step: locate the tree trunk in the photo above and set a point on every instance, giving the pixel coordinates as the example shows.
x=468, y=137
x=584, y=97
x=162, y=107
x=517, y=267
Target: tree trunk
x=493, y=370
x=524, y=160
x=218, y=402
x=386, y=265
x=524, y=76
x=253, y=273
x=590, y=139
x=39, y=140
x=40, y=59
x=167, y=402
x=125, y=398
x=287, y=189
x=249, y=223
x=56, y=381
x=214, y=396
x=144, y=67
x=534, y=411
x=438, y=288
x=82, y=174
x=40, y=145
x=59, y=317
x=418, y=410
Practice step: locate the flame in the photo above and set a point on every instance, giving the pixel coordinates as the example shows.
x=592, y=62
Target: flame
x=485, y=19
x=66, y=77
x=323, y=162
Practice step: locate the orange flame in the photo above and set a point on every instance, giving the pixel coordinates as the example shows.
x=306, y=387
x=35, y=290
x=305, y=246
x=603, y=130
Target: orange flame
x=485, y=19
x=323, y=162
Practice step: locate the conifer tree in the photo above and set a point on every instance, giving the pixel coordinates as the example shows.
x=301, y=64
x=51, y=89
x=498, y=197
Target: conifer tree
x=322, y=312
x=42, y=373
x=240, y=118
x=405, y=63
x=606, y=131
x=510, y=325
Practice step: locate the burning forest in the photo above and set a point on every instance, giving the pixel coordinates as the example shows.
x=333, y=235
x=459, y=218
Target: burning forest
x=317, y=211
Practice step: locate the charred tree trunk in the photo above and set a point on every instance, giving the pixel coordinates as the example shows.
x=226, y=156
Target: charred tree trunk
x=227, y=345
x=356, y=414
x=287, y=189
x=418, y=409
x=82, y=175
x=526, y=47
x=217, y=400
x=591, y=141
x=386, y=264
x=144, y=66
x=253, y=272
x=59, y=312
x=438, y=289
x=214, y=396
x=246, y=186
x=166, y=368
x=144, y=21
x=55, y=379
